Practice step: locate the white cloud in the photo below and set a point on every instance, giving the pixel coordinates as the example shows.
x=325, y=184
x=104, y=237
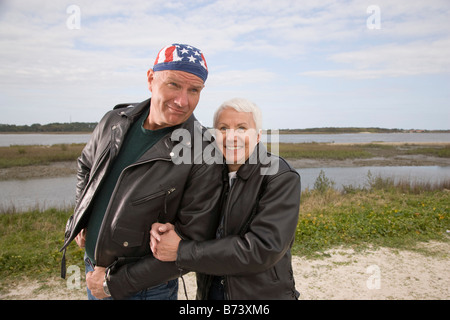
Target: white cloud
x=393, y=60
x=413, y=40
x=253, y=48
x=239, y=78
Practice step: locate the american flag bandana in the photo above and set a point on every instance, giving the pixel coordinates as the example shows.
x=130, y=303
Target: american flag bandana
x=182, y=57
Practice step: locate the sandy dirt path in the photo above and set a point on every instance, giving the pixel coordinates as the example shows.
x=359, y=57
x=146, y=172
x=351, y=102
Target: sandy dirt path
x=381, y=274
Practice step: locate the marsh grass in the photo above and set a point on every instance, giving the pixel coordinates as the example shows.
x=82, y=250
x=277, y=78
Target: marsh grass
x=358, y=151
x=322, y=151
x=18, y=155
x=382, y=213
x=443, y=152
x=30, y=243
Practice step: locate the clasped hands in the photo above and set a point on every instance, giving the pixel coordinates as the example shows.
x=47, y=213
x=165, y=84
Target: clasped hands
x=164, y=242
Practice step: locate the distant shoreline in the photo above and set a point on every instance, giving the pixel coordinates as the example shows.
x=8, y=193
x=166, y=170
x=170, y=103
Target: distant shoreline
x=345, y=131
x=87, y=128
x=32, y=162
x=280, y=131
x=52, y=170
x=48, y=132
x=68, y=168
x=400, y=161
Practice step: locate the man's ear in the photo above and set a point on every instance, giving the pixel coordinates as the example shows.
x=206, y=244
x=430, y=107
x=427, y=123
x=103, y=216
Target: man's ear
x=150, y=78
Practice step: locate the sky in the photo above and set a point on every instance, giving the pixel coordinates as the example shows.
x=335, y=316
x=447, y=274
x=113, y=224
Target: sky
x=306, y=64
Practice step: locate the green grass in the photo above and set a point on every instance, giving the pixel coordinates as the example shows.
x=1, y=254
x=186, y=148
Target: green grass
x=18, y=156
x=382, y=214
x=357, y=151
x=322, y=151
x=443, y=152
x=30, y=243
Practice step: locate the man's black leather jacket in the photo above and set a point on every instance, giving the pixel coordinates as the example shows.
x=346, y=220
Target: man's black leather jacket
x=153, y=189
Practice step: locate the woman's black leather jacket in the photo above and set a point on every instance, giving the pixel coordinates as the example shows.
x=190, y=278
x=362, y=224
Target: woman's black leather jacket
x=260, y=213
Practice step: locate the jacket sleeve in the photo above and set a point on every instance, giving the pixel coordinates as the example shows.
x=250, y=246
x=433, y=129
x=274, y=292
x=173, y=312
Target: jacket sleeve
x=196, y=219
x=198, y=216
x=83, y=172
x=269, y=236
x=85, y=163
x=86, y=160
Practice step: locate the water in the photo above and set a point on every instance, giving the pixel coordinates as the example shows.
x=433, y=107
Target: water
x=357, y=176
x=50, y=139
x=46, y=193
x=43, y=139
x=60, y=192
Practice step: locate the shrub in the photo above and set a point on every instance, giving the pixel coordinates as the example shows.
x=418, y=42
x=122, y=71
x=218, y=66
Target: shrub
x=322, y=183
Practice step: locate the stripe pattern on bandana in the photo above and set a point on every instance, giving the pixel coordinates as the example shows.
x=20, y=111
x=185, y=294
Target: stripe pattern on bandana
x=182, y=57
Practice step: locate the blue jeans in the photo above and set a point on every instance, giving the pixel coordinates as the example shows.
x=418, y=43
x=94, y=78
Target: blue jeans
x=216, y=291
x=165, y=291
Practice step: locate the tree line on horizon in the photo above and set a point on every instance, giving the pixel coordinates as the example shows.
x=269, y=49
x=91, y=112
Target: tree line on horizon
x=89, y=127
x=51, y=127
x=349, y=130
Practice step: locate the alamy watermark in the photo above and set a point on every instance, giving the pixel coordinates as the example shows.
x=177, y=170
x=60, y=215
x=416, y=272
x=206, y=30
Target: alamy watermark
x=190, y=149
x=73, y=21
x=373, y=22
x=74, y=280
x=374, y=281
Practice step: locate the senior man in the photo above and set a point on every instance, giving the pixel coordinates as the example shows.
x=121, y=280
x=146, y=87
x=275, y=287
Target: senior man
x=128, y=179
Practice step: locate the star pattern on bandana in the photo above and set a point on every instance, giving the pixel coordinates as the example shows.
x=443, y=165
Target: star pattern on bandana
x=188, y=53
x=181, y=53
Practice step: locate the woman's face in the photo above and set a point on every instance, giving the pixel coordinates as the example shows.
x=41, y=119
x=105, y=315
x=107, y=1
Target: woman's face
x=236, y=136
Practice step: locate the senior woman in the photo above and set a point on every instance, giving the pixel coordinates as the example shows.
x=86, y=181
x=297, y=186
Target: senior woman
x=250, y=257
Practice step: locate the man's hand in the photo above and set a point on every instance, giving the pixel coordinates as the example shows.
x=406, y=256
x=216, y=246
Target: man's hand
x=155, y=233
x=158, y=229
x=94, y=282
x=164, y=242
x=80, y=239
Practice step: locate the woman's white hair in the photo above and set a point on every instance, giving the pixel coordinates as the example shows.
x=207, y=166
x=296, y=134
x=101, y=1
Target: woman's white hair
x=240, y=105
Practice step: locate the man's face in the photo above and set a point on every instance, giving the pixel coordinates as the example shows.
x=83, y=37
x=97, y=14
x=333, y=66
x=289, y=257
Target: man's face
x=175, y=94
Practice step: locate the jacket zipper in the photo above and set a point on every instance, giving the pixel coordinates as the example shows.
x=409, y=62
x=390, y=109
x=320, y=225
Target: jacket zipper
x=165, y=199
x=227, y=293
x=153, y=196
x=113, y=195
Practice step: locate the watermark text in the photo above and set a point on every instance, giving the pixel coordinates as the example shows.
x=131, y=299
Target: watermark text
x=73, y=21
x=373, y=22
